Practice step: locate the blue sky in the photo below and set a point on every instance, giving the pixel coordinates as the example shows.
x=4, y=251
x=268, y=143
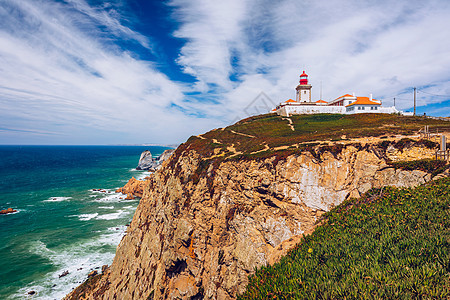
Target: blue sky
x=141, y=71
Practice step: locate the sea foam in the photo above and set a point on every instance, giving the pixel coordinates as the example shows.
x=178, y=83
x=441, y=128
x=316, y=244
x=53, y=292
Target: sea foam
x=106, y=207
x=78, y=259
x=113, y=216
x=57, y=199
x=87, y=217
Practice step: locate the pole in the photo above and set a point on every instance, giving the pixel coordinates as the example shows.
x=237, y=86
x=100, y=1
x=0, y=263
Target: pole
x=394, y=101
x=321, y=90
x=414, y=101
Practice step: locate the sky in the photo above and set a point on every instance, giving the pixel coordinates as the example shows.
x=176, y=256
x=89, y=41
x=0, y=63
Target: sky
x=142, y=71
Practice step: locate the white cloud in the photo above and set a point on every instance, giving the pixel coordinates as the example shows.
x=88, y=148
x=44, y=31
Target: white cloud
x=213, y=32
x=64, y=75
x=380, y=47
x=70, y=82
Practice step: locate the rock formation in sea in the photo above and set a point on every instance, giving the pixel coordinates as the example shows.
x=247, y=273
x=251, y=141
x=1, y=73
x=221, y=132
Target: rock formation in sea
x=148, y=162
x=145, y=161
x=7, y=211
x=203, y=225
x=133, y=188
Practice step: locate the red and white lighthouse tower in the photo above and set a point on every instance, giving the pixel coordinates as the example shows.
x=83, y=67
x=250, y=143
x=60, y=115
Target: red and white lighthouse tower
x=303, y=94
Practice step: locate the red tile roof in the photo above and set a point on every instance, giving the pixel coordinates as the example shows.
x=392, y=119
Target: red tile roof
x=321, y=101
x=289, y=101
x=363, y=100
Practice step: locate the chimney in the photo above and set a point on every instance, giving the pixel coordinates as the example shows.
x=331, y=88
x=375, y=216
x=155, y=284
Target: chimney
x=353, y=94
x=370, y=97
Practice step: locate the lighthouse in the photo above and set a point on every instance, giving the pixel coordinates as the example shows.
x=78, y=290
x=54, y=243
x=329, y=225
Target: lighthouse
x=303, y=94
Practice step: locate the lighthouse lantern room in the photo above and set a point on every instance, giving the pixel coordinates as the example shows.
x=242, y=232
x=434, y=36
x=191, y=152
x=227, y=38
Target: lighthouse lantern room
x=303, y=89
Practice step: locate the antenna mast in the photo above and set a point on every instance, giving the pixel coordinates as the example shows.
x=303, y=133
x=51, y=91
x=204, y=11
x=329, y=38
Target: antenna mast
x=321, y=90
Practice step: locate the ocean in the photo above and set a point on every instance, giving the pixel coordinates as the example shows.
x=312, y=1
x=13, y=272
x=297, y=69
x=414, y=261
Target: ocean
x=63, y=222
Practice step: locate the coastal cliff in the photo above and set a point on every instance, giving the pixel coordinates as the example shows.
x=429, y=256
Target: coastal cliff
x=217, y=208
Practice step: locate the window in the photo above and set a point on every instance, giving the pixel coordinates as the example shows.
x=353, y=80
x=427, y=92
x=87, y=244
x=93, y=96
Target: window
x=376, y=107
x=304, y=92
x=363, y=108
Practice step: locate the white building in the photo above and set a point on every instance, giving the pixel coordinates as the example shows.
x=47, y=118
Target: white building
x=346, y=104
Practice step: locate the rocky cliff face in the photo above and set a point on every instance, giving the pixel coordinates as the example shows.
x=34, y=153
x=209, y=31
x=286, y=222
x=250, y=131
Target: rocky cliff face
x=201, y=229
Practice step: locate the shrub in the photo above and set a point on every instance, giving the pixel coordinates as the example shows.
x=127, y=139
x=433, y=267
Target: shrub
x=389, y=244
x=427, y=165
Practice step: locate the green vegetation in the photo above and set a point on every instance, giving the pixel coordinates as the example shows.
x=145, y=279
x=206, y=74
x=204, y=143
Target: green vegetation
x=389, y=244
x=256, y=133
x=427, y=165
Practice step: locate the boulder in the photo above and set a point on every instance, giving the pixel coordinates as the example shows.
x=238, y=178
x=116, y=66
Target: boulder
x=92, y=274
x=7, y=211
x=133, y=188
x=65, y=273
x=146, y=161
x=104, y=268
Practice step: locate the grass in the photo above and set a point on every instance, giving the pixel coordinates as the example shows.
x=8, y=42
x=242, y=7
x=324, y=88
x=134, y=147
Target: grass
x=274, y=131
x=427, y=165
x=389, y=244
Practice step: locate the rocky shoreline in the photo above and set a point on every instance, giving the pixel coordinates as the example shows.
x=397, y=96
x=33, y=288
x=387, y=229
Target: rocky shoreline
x=134, y=187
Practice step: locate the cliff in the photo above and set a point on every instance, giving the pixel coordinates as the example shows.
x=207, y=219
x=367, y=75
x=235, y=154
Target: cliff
x=230, y=201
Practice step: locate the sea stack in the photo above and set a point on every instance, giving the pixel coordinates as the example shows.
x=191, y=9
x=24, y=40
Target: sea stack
x=165, y=155
x=148, y=162
x=145, y=161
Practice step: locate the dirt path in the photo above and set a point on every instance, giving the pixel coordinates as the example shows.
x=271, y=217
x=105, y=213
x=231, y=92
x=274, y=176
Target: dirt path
x=290, y=123
x=243, y=134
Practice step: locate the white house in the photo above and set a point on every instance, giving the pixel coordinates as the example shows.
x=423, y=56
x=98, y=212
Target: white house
x=346, y=104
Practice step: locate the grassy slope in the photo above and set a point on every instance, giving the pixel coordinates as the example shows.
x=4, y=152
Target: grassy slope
x=274, y=131
x=390, y=244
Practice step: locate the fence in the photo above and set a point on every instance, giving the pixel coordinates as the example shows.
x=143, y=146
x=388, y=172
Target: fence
x=443, y=152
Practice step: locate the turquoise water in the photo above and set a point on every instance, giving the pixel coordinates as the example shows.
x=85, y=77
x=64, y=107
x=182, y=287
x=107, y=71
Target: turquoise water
x=62, y=224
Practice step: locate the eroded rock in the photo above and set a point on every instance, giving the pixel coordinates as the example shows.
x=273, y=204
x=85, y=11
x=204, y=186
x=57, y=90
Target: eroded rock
x=148, y=162
x=145, y=161
x=133, y=188
x=201, y=235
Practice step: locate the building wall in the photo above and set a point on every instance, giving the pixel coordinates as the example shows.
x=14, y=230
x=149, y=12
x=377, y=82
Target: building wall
x=389, y=110
x=303, y=93
x=357, y=109
x=322, y=109
x=310, y=109
x=343, y=101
